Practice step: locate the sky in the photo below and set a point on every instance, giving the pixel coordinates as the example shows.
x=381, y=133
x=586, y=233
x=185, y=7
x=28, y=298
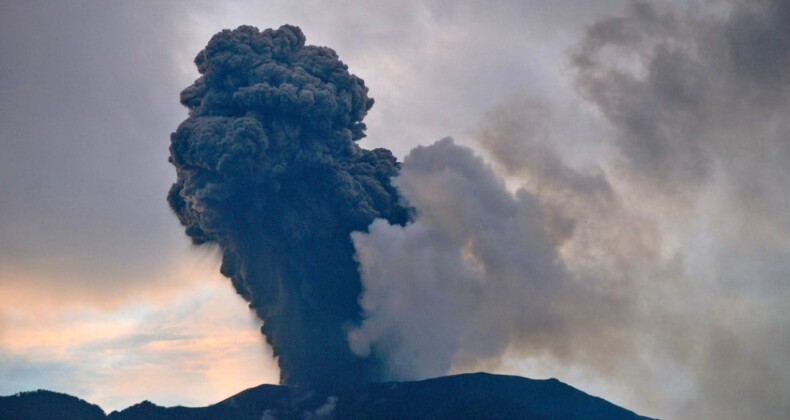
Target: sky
x=612, y=210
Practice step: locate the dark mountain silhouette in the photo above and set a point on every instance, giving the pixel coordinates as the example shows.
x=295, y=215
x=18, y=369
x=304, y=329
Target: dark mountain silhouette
x=43, y=404
x=467, y=396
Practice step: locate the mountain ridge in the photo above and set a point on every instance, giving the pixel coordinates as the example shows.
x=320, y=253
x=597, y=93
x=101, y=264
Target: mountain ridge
x=463, y=396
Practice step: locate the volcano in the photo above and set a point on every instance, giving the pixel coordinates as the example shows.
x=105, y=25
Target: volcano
x=465, y=396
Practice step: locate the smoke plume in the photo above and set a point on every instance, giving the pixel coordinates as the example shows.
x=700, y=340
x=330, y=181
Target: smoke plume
x=480, y=272
x=268, y=169
x=476, y=265
x=664, y=261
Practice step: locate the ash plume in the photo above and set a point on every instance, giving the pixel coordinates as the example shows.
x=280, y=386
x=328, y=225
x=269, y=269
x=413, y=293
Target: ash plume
x=268, y=169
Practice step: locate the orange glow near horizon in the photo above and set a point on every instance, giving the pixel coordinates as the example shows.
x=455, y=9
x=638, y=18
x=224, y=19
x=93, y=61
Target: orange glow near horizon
x=187, y=340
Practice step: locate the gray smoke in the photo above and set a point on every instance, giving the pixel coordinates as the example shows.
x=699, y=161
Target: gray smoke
x=690, y=93
x=268, y=169
x=666, y=263
x=477, y=271
x=697, y=101
x=663, y=262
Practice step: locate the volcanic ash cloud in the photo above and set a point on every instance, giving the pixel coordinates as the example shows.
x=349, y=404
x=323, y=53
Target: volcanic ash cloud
x=268, y=169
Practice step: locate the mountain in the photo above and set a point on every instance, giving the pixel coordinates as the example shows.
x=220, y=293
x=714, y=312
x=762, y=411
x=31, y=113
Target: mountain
x=43, y=404
x=467, y=396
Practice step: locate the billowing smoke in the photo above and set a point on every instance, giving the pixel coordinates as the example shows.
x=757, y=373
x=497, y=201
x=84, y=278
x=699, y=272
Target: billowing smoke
x=480, y=271
x=663, y=261
x=476, y=265
x=268, y=169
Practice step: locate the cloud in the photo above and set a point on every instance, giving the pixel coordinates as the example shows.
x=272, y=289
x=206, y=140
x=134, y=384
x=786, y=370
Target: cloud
x=188, y=347
x=691, y=95
x=699, y=121
x=665, y=243
x=85, y=110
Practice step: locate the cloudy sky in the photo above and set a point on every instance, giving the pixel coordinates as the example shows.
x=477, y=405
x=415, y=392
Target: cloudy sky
x=614, y=209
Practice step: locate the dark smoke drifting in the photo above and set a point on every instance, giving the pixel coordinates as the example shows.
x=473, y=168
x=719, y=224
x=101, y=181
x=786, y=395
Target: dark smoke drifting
x=269, y=170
